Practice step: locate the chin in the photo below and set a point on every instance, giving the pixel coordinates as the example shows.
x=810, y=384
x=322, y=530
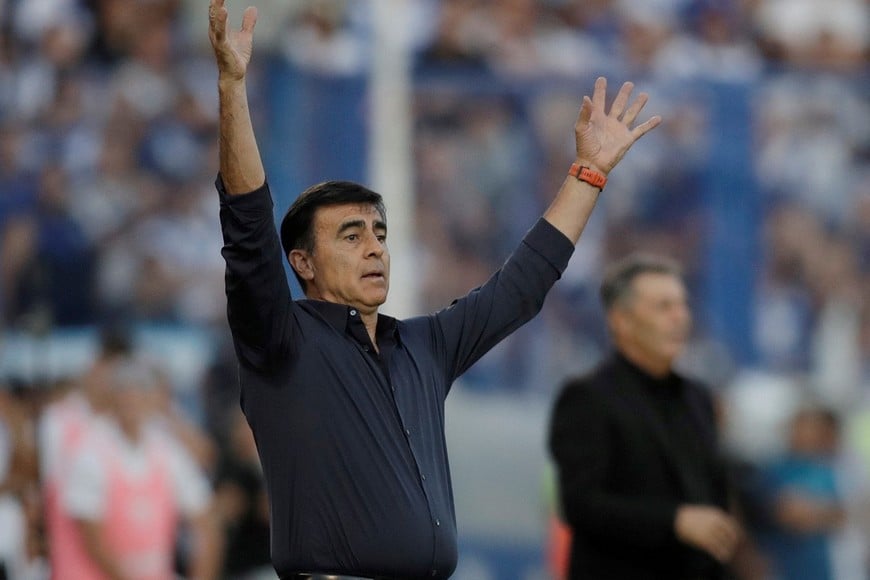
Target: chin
x=676, y=352
x=377, y=300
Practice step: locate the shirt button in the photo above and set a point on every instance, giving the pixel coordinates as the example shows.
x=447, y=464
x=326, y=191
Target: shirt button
x=408, y=432
x=423, y=477
x=437, y=522
x=353, y=312
x=366, y=347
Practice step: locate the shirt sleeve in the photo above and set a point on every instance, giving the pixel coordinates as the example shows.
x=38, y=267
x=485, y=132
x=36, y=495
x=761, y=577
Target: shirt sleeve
x=475, y=323
x=258, y=295
x=190, y=487
x=84, y=493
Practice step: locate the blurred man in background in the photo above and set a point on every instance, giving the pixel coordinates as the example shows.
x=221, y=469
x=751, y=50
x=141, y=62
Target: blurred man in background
x=641, y=485
x=63, y=425
x=129, y=485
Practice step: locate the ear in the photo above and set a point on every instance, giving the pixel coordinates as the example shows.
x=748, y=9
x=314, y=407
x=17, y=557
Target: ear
x=300, y=261
x=616, y=321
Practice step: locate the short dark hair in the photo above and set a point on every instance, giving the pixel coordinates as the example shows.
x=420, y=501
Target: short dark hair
x=297, y=230
x=115, y=340
x=618, y=277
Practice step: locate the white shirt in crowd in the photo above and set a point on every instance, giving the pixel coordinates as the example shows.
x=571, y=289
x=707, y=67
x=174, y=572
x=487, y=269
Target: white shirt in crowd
x=85, y=492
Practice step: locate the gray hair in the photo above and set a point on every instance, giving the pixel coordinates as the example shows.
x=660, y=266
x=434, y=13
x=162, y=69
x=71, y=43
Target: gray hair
x=619, y=276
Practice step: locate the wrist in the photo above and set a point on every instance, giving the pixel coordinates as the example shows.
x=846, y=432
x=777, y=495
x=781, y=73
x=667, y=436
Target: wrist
x=588, y=175
x=230, y=83
x=591, y=165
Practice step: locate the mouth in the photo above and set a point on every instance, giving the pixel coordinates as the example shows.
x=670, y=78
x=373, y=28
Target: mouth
x=373, y=276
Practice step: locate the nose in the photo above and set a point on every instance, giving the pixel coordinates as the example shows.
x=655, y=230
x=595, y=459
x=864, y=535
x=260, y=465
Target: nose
x=374, y=247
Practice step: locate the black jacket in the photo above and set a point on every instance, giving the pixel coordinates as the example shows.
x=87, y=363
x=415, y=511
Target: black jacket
x=623, y=469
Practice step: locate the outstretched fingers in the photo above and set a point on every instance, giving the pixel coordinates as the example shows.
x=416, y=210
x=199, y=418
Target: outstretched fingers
x=635, y=108
x=249, y=19
x=621, y=99
x=599, y=94
x=645, y=128
x=585, y=112
x=631, y=114
x=217, y=18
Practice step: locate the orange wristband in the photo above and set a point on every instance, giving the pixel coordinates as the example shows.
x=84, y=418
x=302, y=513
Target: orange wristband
x=590, y=176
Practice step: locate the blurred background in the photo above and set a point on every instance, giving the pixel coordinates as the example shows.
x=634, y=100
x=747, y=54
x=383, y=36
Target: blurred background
x=461, y=113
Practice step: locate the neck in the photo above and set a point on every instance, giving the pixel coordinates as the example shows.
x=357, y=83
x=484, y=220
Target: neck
x=130, y=430
x=654, y=366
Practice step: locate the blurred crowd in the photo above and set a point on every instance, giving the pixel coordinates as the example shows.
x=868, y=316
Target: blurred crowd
x=108, y=213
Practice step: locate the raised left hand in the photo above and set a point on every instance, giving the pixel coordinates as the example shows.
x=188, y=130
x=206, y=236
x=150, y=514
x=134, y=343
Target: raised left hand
x=603, y=138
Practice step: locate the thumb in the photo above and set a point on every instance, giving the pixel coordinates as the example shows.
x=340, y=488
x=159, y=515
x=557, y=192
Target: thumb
x=249, y=19
x=585, y=111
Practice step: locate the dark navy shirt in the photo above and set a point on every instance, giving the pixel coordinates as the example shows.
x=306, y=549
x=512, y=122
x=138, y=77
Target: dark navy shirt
x=352, y=440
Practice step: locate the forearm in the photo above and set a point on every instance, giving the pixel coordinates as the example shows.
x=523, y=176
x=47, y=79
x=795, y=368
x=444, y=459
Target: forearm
x=571, y=208
x=807, y=515
x=634, y=521
x=511, y=297
x=205, y=562
x=240, y=164
x=98, y=551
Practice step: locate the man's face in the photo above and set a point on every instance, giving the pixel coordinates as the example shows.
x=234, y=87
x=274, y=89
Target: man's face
x=133, y=405
x=350, y=263
x=654, y=320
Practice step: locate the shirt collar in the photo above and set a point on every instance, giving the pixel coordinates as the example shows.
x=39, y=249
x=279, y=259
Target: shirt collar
x=672, y=380
x=338, y=316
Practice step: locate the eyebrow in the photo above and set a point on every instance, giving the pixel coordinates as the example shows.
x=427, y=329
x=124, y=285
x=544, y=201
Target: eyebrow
x=376, y=225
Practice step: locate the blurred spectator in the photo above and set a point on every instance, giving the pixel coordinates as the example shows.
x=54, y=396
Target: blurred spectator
x=130, y=483
x=118, y=24
x=811, y=129
x=18, y=478
x=109, y=199
x=645, y=30
x=831, y=34
x=18, y=185
x=456, y=44
x=48, y=265
x=320, y=38
x=180, y=271
x=804, y=499
x=62, y=428
x=525, y=42
x=783, y=318
x=642, y=484
x=713, y=44
x=144, y=80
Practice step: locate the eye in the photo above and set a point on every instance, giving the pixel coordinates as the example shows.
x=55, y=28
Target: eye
x=351, y=237
x=382, y=238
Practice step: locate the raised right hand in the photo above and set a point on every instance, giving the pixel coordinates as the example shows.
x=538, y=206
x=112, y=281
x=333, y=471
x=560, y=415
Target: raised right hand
x=708, y=528
x=232, y=48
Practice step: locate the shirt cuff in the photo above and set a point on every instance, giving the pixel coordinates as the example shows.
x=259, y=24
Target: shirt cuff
x=260, y=198
x=550, y=243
